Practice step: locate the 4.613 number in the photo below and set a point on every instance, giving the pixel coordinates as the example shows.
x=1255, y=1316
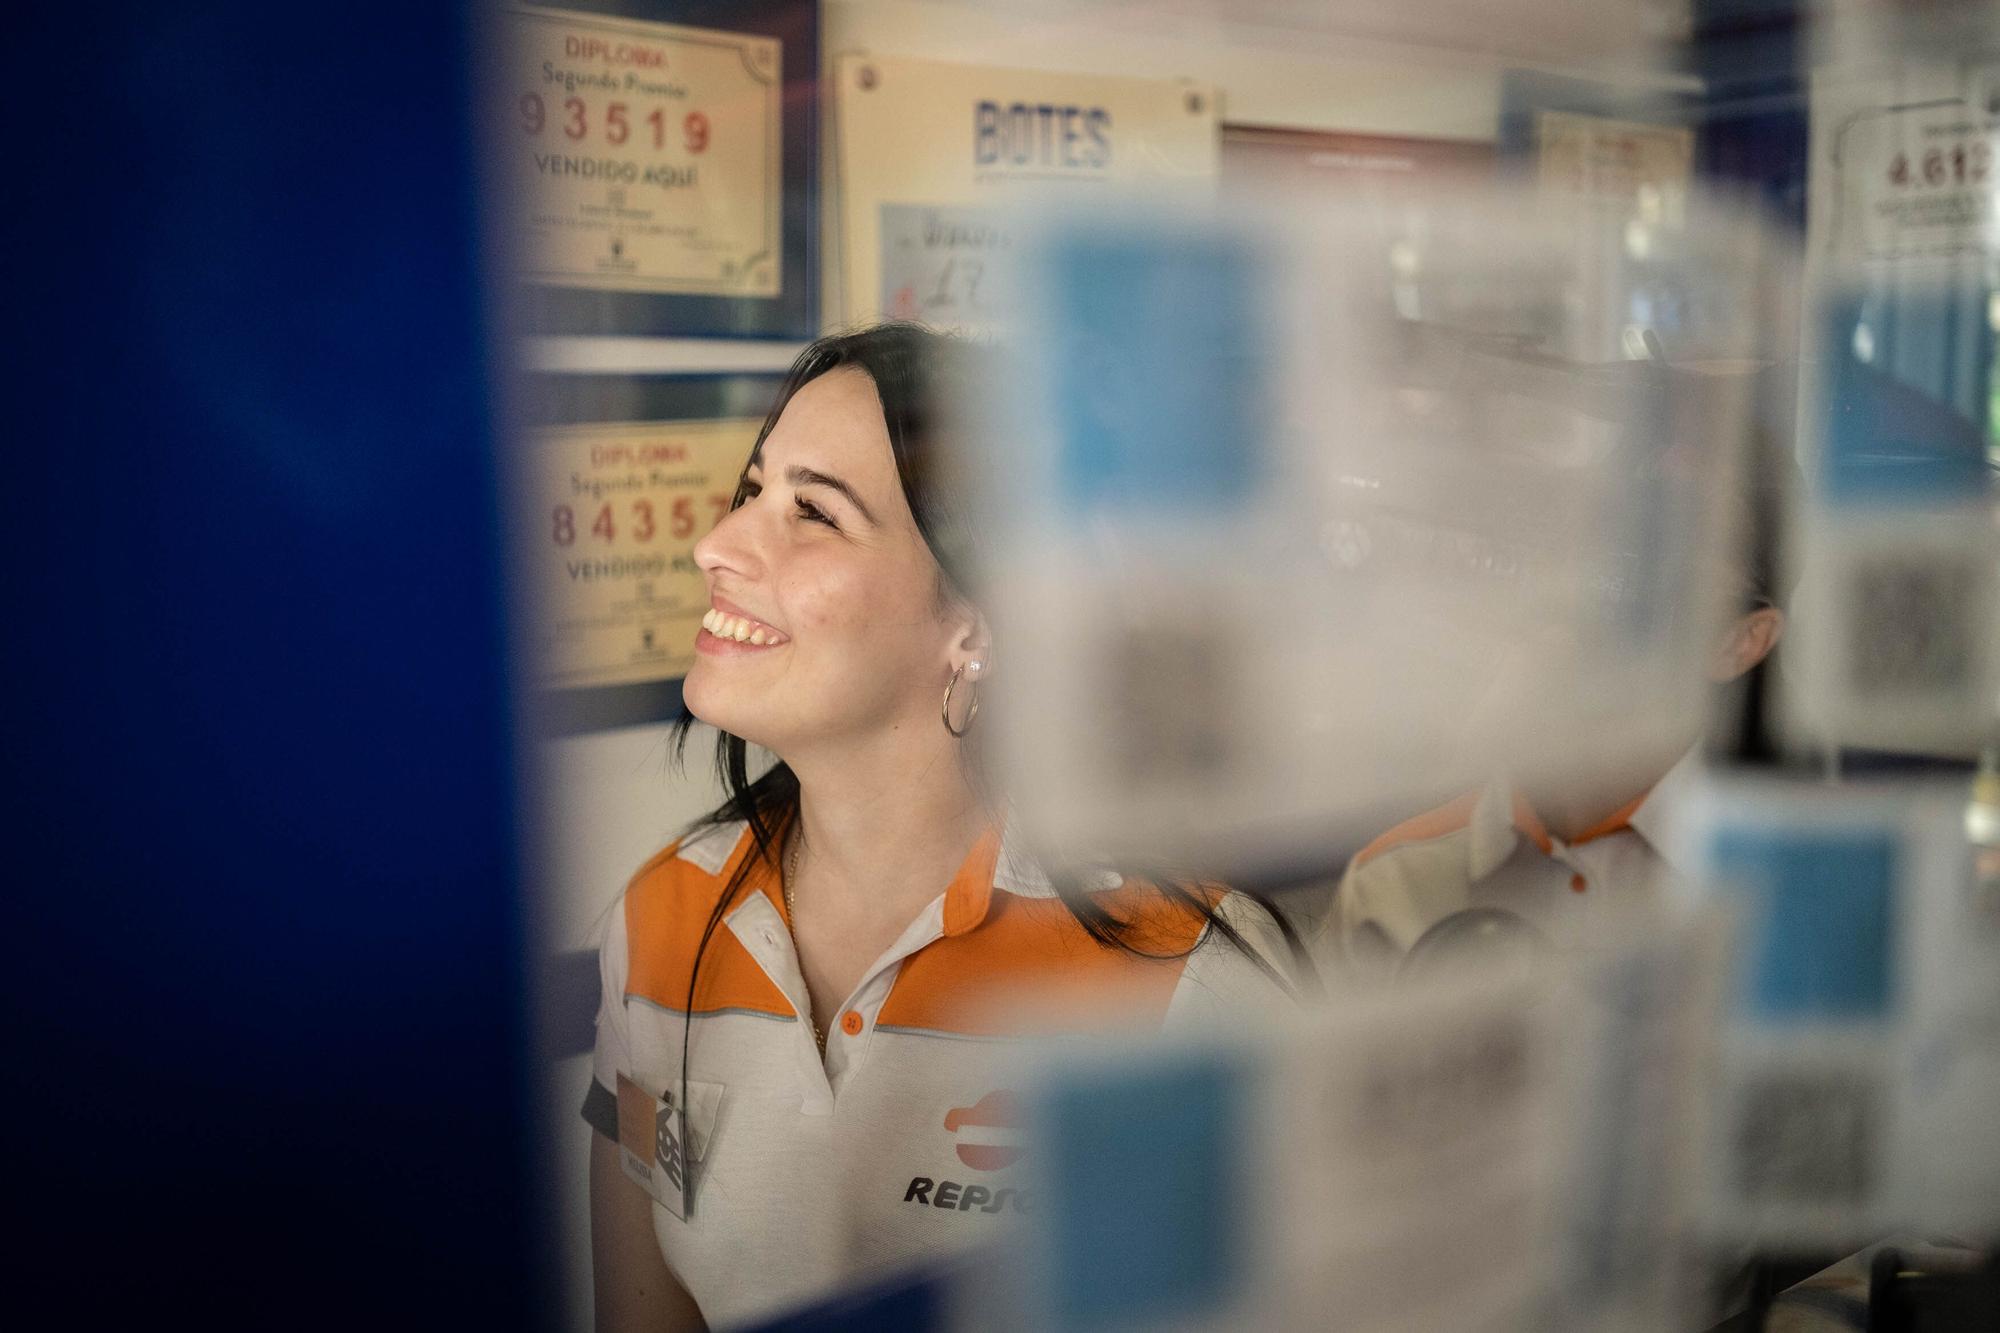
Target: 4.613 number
x=1962, y=163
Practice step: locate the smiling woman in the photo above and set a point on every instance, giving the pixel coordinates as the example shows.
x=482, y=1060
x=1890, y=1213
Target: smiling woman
x=829, y=601
x=784, y=1085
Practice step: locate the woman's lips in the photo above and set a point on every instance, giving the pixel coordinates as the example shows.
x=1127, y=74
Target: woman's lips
x=714, y=645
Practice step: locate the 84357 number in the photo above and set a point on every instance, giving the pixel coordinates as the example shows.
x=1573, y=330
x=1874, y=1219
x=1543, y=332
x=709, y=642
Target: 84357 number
x=642, y=520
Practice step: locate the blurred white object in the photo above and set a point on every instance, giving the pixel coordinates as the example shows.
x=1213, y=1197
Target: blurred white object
x=1386, y=1166
x=1639, y=1019
x=1861, y=1053
x=1415, y=1161
x=1898, y=647
x=1901, y=650
x=1486, y=1146
x=1306, y=521
x=1489, y=852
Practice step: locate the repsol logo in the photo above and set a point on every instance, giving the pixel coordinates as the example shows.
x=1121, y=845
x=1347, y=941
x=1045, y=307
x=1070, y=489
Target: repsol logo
x=950, y=1195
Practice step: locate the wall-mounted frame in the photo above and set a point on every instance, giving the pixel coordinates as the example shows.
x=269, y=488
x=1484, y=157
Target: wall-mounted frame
x=657, y=166
x=931, y=156
x=618, y=477
x=1378, y=170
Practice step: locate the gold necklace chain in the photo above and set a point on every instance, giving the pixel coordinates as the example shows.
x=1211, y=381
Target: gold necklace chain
x=792, y=918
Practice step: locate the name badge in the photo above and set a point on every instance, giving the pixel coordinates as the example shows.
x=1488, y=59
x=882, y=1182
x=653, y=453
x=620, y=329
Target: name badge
x=661, y=1143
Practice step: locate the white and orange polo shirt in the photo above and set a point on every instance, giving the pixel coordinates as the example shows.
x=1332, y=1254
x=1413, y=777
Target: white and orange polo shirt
x=809, y=1176
x=1489, y=849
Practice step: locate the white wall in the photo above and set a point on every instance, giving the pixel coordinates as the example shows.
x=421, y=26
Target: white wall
x=614, y=801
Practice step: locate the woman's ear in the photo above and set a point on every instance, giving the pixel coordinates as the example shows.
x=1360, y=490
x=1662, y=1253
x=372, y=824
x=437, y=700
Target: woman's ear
x=972, y=649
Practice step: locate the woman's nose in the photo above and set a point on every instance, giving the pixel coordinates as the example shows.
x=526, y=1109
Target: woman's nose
x=729, y=545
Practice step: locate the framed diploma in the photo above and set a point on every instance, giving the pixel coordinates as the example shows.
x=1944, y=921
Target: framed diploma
x=656, y=162
x=1613, y=162
x=1386, y=175
x=619, y=477
x=931, y=156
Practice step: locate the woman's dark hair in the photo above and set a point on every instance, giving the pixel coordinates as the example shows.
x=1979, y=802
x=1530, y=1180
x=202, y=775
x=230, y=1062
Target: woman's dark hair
x=923, y=379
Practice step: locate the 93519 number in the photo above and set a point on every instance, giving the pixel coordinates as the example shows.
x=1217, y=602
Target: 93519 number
x=613, y=122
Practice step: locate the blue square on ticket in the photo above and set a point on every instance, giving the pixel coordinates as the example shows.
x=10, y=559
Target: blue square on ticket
x=1146, y=1223
x=1163, y=378
x=1901, y=424
x=1819, y=929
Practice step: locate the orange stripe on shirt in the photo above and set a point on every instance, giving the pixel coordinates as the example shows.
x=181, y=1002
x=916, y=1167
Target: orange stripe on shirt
x=1616, y=822
x=666, y=909
x=1448, y=818
x=1031, y=967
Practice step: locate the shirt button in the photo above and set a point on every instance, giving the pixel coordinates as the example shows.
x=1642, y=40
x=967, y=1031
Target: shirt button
x=1577, y=883
x=850, y=1023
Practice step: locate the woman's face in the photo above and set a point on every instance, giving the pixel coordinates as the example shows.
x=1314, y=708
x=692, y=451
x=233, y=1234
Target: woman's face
x=824, y=623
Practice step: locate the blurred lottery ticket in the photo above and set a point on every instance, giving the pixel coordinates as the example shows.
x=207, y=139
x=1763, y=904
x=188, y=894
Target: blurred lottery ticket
x=1499, y=1150
x=1304, y=519
x=1859, y=1059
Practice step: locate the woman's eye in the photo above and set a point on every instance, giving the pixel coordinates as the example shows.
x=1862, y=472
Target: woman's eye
x=811, y=512
x=749, y=490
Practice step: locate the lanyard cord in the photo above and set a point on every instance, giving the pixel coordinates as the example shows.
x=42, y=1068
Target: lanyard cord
x=687, y=1032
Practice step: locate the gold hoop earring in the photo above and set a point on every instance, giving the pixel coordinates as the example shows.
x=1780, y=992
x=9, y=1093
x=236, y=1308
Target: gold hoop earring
x=970, y=713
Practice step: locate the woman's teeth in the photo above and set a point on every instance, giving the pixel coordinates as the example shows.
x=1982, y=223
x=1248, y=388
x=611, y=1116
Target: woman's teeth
x=737, y=628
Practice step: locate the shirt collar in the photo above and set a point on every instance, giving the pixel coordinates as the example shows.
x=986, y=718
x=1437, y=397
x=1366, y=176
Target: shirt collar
x=999, y=861
x=967, y=899
x=1655, y=813
x=996, y=861
x=969, y=896
x=1502, y=817
x=1494, y=834
x=758, y=878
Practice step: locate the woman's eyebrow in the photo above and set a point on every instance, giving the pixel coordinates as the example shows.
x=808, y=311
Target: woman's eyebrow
x=805, y=476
